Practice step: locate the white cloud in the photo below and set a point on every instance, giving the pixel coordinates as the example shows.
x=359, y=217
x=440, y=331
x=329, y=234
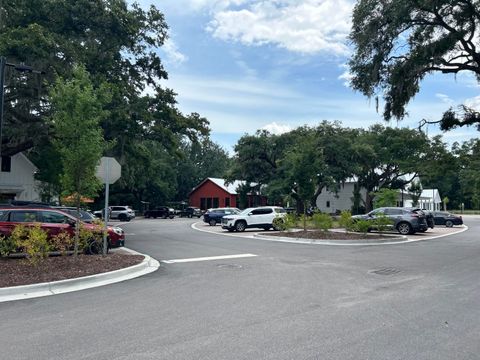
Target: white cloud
x=473, y=103
x=308, y=27
x=174, y=56
x=346, y=76
x=277, y=129
x=445, y=99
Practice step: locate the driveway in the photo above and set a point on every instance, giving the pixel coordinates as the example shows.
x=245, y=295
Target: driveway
x=239, y=298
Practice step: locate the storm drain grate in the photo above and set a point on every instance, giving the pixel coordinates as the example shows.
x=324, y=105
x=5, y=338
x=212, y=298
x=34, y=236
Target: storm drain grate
x=386, y=271
x=229, y=266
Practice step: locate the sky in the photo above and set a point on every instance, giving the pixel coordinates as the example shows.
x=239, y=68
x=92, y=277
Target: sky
x=255, y=64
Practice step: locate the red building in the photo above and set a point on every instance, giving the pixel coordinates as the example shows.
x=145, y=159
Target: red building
x=214, y=193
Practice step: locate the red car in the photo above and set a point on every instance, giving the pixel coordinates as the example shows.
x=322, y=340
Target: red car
x=53, y=221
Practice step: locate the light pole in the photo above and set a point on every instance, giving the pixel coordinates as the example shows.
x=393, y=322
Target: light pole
x=3, y=66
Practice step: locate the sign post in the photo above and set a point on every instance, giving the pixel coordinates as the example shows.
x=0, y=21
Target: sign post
x=109, y=171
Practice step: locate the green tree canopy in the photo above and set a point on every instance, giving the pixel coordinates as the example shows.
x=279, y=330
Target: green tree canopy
x=398, y=42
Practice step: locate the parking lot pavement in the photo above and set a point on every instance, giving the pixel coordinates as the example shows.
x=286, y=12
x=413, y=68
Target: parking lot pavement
x=436, y=232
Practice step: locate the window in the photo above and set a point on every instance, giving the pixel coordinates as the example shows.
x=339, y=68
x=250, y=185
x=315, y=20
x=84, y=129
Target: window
x=215, y=202
x=328, y=204
x=393, y=211
x=227, y=202
x=209, y=203
x=53, y=217
x=6, y=163
x=23, y=216
x=262, y=211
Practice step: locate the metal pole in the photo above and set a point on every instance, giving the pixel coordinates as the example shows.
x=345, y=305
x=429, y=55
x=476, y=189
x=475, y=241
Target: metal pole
x=3, y=63
x=107, y=190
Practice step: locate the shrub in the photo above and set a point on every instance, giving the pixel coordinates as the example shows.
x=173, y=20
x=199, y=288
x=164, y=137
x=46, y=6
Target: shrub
x=346, y=220
x=91, y=240
x=8, y=245
x=322, y=221
x=62, y=242
x=362, y=226
x=382, y=222
x=287, y=222
x=34, y=242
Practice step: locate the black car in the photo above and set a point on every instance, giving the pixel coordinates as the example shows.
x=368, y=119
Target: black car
x=214, y=216
x=191, y=212
x=160, y=212
x=447, y=219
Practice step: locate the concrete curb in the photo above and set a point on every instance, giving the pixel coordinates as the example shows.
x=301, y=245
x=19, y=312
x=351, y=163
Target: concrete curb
x=394, y=240
x=22, y=292
x=370, y=242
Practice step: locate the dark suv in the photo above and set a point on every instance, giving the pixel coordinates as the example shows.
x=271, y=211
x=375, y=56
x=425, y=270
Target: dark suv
x=191, y=212
x=404, y=220
x=161, y=211
x=214, y=216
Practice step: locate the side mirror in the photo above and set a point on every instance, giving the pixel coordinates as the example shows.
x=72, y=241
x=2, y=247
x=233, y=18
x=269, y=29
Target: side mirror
x=249, y=214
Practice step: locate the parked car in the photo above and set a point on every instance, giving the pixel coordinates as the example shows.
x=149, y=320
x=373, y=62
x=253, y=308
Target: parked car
x=84, y=215
x=261, y=217
x=404, y=220
x=447, y=219
x=122, y=213
x=161, y=211
x=191, y=212
x=52, y=220
x=214, y=216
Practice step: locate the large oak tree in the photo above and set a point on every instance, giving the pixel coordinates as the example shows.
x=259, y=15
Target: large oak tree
x=399, y=42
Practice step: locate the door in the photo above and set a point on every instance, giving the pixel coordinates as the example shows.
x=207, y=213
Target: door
x=55, y=223
x=17, y=217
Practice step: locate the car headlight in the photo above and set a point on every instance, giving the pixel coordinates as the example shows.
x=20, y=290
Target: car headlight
x=117, y=230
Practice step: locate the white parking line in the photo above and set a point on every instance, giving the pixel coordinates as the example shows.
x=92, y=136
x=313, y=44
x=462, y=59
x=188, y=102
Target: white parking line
x=210, y=258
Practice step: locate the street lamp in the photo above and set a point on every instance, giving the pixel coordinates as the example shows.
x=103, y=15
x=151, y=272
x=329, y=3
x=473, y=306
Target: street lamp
x=21, y=68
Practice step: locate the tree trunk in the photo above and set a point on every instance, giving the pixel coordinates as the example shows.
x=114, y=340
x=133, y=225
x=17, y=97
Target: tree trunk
x=304, y=218
x=368, y=201
x=77, y=227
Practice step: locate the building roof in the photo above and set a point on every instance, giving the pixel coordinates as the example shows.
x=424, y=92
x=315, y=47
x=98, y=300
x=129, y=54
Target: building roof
x=231, y=188
x=432, y=194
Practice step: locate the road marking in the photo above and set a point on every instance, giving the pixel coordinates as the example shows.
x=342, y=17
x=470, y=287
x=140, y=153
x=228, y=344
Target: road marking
x=210, y=258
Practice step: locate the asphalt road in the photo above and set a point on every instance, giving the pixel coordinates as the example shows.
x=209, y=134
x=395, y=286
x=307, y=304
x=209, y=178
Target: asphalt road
x=410, y=301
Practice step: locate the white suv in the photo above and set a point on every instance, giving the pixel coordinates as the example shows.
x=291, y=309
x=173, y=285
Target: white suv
x=261, y=217
x=122, y=213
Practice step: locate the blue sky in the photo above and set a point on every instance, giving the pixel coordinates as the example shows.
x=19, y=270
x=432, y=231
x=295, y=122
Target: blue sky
x=279, y=64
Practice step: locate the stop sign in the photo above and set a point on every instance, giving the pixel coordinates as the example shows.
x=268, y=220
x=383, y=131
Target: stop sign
x=109, y=170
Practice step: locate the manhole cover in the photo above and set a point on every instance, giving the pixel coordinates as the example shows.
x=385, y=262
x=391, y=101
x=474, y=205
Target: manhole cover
x=386, y=271
x=229, y=266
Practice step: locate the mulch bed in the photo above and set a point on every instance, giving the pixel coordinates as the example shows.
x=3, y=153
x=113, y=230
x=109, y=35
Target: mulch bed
x=326, y=235
x=15, y=272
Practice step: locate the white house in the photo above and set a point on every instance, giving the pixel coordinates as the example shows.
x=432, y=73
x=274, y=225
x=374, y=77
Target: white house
x=331, y=202
x=17, y=180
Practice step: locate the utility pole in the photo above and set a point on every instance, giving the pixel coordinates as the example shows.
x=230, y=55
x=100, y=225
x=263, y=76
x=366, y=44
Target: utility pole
x=3, y=63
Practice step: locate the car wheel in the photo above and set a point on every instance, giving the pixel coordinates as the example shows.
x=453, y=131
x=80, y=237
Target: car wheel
x=171, y=217
x=95, y=247
x=404, y=228
x=277, y=224
x=123, y=217
x=266, y=228
x=190, y=216
x=230, y=230
x=212, y=222
x=240, y=226
x=449, y=223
